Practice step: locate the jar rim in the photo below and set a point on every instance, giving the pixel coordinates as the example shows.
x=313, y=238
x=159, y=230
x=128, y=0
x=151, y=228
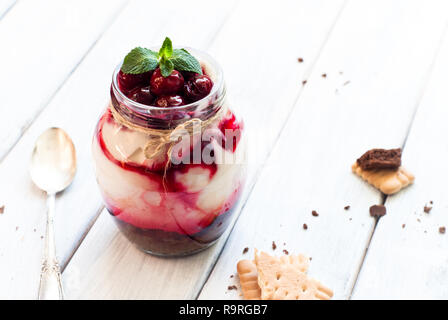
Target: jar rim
x=203, y=57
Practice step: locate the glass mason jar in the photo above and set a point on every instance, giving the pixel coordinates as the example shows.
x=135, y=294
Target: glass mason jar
x=172, y=176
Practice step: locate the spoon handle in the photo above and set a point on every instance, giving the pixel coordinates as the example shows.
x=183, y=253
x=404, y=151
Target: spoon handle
x=50, y=287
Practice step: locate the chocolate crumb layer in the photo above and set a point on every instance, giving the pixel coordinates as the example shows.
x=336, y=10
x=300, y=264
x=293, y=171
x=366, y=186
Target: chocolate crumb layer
x=377, y=210
x=380, y=159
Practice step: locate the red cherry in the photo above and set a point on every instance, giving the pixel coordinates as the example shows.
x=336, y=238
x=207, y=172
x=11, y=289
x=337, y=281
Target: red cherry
x=142, y=95
x=127, y=81
x=169, y=101
x=169, y=85
x=198, y=87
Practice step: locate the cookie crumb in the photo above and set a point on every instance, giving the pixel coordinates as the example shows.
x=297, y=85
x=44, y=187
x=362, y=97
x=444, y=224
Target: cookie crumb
x=285, y=251
x=245, y=250
x=232, y=287
x=274, y=246
x=403, y=226
x=377, y=210
x=2, y=209
x=442, y=230
x=300, y=60
x=430, y=202
x=304, y=82
x=324, y=75
x=314, y=213
x=347, y=208
x=17, y=228
x=305, y=226
x=231, y=276
x=427, y=209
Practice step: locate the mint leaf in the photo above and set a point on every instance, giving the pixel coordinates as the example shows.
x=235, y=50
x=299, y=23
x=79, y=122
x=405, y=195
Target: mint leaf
x=184, y=61
x=166, y=67
x=167, y=48
x=139, y=60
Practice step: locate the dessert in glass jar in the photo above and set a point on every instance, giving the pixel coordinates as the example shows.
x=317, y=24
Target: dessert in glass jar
x=169, y=153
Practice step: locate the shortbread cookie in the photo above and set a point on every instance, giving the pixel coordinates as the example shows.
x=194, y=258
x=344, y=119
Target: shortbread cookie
x=387, y=181
x=285, y=279
x=248, y=274
x=380, y=159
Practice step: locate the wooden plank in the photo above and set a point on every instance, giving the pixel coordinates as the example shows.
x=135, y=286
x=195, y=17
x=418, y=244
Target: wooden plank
x=39, y=51
x=412, y=262
x=5, y=6
x=76, y=108
x=106, y=265
x=373, y=44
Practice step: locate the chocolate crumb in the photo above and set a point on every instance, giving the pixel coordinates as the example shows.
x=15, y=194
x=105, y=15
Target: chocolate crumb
x=347, y=208
x=41, y=237
x=2, y=209
x=324, y=75
x=231, y=276
x=305, y=227
x=314, y=213
x=403, y=226
x=285, y=251
x=34, y=230
x=245, y=250
x=418, y=220
x=300, y=60
x=430, y=202
x=380, y=159
x=346, y=83
x=377, y=210
x=304, y=82
x=274, y=246
x=232, y=288
x=17, y=228
x=350, y=219
x=427, y=209
x=311, y=258
x=442, y=230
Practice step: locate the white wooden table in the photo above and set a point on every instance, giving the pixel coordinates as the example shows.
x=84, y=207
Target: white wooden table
x=387, y=86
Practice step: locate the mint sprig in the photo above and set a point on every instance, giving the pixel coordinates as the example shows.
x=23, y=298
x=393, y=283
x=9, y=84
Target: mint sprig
x=141, y=60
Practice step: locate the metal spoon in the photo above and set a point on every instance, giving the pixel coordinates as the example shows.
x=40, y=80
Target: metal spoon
x=52, y=169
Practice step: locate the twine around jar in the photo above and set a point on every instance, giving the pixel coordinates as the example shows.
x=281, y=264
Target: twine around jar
x=160, y=140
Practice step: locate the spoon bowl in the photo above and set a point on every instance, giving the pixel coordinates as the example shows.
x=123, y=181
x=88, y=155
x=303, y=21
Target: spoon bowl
x=53, y=162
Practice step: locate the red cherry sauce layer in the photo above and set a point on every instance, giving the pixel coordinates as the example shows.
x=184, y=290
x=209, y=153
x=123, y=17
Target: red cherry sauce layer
x=175, y=190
